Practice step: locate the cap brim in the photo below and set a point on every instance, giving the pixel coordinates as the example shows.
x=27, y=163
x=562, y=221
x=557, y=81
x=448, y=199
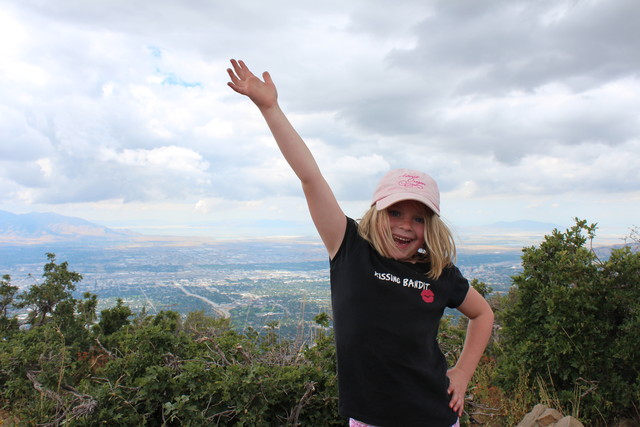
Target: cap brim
x=399, y=197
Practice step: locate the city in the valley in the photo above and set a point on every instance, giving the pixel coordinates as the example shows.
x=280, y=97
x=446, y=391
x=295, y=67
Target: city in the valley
x=257, y=284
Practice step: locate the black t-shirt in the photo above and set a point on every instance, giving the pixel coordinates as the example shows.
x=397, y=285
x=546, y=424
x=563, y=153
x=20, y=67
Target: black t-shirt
x=391, y=371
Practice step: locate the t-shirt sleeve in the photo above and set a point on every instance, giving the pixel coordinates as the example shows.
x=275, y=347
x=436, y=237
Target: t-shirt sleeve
x=459, y=287
x=349, y=235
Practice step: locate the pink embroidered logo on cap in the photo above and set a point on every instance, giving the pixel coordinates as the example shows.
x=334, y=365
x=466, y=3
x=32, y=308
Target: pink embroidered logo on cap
x=411, y=181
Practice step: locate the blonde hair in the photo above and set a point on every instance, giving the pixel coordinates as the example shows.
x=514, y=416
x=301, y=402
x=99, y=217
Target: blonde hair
x=439, y=246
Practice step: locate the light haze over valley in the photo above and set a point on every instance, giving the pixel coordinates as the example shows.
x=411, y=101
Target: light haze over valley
x=255, y=282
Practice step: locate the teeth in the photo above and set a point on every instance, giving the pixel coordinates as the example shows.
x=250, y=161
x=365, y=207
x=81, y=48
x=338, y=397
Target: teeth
x=401, y=239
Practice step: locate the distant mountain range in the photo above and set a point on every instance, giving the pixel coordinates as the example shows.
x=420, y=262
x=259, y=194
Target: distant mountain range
x=33, y=228
x=36, y=228
x=524, y=225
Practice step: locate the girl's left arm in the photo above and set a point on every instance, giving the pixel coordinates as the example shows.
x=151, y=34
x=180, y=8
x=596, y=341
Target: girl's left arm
x=480, y=315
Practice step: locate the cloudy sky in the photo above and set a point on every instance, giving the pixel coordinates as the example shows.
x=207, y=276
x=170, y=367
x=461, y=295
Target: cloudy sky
x=118, y=111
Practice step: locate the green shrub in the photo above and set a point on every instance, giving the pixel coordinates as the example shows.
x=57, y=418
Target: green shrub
x=571, y=326
x=154, y=370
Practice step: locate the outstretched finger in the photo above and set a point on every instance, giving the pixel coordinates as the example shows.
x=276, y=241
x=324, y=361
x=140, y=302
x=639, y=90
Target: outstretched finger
x=236, y=66
x=267, y=77
x=241, y=69
x=234, y=78
x=234, y=87
x=237, y=72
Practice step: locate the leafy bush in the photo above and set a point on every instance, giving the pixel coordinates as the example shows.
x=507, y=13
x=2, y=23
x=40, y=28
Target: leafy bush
x=571, y=326
x=568, y=337
x=154, y=370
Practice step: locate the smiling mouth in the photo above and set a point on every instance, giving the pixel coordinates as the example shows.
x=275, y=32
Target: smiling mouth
x=402, y=241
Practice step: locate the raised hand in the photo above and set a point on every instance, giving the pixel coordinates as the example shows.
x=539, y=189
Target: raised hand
x=243, y=81
x=323, y=206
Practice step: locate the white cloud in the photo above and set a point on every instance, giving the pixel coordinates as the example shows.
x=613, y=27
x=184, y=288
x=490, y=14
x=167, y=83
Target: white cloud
x=171, y=157
x=46, y=167
x=20, y=141
x=521, y=104
x=217, y=205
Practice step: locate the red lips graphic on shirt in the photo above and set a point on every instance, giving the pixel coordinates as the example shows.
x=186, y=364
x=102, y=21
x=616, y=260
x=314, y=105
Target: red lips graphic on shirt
x=427, y=295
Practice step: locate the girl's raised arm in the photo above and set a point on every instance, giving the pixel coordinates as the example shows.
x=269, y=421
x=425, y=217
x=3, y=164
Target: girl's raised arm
x=327, y=215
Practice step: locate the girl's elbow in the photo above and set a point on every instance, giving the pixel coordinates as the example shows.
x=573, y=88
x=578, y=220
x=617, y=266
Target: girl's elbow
x=490, y=316
x=487, y=312
x=484, y=314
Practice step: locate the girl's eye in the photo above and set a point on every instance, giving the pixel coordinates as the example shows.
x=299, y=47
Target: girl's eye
x=394, y=213
x=419, y=219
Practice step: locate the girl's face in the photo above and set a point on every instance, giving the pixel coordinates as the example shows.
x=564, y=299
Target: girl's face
x=406, y=219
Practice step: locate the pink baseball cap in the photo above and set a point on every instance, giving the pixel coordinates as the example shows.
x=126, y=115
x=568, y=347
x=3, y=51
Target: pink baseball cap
x=407, y=184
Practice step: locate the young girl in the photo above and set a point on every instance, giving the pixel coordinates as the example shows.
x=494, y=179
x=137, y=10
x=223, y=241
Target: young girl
x=391, y=278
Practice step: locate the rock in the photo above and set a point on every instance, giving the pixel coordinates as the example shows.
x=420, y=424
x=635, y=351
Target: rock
x=529, y=420
x=569, y=421
x=549, y=417
x=542, y=416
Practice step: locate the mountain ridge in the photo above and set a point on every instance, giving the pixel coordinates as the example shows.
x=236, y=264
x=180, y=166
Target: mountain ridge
x=44, y=227
x=48, y=227
x=523, y=225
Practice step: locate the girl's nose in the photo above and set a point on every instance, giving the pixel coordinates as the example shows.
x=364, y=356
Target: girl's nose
x=405, y=223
